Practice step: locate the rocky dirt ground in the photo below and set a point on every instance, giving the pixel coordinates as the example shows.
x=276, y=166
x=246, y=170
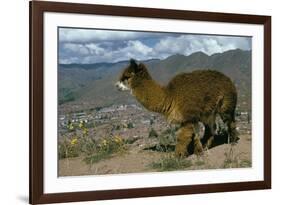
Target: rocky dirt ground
x=137, y=159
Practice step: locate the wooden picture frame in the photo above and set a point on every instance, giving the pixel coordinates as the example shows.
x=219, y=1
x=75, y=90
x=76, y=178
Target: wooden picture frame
x=37, y=9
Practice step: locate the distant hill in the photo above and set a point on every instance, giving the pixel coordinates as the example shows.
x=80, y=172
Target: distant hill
x=93, y=84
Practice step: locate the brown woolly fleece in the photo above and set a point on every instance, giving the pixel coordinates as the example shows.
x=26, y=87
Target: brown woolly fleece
x=185, y=100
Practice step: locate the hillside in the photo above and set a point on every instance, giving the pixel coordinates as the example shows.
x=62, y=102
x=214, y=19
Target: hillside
x=92, y=85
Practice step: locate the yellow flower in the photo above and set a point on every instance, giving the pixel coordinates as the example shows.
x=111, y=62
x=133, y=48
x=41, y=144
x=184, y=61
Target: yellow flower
x=70, y=126
x=81, y=124
x=118, y=139
x=104, y=142
x=85, y=131
x=74, y=141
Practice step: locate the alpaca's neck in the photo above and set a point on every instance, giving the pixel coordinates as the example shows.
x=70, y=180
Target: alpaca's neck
x=150, y=94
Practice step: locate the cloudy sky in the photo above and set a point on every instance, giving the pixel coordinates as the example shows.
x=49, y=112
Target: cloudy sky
x=93, y=46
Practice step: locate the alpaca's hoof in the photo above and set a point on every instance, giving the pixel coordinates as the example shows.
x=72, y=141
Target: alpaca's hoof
x=198, y=150
x=180, y=153
x=206, y=151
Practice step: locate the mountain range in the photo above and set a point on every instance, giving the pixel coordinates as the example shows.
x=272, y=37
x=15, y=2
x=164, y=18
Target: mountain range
x=93, y=84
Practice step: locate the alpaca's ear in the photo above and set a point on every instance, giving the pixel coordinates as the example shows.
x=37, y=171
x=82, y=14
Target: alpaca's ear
x=141, y=66
x=134, y=64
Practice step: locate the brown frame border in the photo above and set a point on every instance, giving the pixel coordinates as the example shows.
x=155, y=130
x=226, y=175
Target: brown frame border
x=37, y=8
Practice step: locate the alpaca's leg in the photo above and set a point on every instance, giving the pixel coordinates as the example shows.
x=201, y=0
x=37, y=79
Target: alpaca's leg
x=213, y=132
x=210, y=142
x=233, y=135
x=231, y=127
x=208, y=137
x=214, y=128
x=184, y=137
x=198, y=148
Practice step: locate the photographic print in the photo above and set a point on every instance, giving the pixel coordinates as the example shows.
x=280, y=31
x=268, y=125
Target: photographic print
x=130, y=102
x=143, y=101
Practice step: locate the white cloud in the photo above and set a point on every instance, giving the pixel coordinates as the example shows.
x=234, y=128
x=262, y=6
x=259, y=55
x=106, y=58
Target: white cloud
x=187, y=44
x=92, y=46
x=76, y=48
x=136, y=47
x=95, y=49
x=89, y=35
x=91, y=53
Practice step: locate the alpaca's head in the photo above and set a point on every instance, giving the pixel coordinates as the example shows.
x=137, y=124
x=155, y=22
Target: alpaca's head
x=129, y=74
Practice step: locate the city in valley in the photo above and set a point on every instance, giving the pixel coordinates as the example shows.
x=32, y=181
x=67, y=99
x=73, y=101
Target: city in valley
x=130, y=120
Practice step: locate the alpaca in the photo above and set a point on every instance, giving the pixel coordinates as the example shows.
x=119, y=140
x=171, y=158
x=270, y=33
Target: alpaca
x=189, y=98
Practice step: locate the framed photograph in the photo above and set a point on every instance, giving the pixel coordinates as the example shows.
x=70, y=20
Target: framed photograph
x=138, y=102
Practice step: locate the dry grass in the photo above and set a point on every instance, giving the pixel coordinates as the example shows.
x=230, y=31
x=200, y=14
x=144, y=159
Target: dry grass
x=105, y=149
x=233, y=160
x=169, y=163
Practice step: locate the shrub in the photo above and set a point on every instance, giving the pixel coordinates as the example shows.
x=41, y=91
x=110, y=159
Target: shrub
x=152, y=133
x=167, y=140
x=234, y=160
x=68, y=148
x=170, y=162
x=79, y=143
x=130, y=125
x=106, y=148
x=245, y=163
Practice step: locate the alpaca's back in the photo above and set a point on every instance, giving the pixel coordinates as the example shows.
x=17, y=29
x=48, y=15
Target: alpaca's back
x=195, y=95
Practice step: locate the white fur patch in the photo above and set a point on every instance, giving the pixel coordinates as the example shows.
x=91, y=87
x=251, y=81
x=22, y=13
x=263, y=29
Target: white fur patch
x=121, y=86
x=199, y=129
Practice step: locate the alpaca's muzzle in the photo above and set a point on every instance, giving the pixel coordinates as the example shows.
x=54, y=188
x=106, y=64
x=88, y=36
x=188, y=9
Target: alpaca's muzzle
x=121, y=86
